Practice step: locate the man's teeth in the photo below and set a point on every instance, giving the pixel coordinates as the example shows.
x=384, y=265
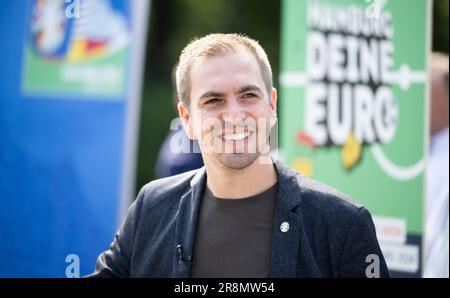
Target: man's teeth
x=236, y=136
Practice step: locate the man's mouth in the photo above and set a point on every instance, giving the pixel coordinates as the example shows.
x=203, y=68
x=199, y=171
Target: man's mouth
x=236, y=136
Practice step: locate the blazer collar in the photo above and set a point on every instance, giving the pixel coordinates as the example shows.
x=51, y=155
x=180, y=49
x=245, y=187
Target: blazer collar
x=287, y=224
x=285, y=244
x=186, y=224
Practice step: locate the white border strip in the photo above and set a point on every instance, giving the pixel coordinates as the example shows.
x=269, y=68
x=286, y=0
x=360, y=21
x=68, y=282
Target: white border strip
x=140, y=20
x=427, y=128
x=293, y=79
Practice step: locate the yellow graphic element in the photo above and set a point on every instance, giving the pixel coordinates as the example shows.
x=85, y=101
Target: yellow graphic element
x=80, y=50
x=350, y=152
x=304, y=166
x=77, y=50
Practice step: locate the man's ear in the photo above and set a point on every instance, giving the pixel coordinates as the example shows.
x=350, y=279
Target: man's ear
x=185, y=116
x=273, y=107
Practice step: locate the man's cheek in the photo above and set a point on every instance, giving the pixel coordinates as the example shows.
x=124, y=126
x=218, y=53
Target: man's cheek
x=264, y=128
x=207, y=141
x=211, y=131
x=198, y=122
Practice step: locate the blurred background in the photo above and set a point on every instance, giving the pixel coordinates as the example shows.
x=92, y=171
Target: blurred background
x=173, y=23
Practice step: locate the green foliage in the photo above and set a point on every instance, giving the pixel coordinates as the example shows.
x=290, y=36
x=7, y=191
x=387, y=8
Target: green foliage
x=440, y=26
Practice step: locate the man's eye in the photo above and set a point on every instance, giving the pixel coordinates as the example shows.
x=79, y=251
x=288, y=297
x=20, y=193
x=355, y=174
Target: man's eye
x=212, y=101
x=249, y=95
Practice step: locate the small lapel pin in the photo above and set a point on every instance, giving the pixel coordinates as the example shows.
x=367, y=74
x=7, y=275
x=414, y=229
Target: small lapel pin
x=284, y=227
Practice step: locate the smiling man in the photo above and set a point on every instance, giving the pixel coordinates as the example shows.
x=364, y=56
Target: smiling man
x=241, y=215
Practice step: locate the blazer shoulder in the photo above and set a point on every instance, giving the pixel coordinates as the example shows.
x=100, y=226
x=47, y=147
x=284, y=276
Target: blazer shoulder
x=327, y=200
x=165, y=190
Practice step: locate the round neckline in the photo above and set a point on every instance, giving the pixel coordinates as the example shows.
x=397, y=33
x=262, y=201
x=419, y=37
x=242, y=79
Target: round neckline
x=237, y=202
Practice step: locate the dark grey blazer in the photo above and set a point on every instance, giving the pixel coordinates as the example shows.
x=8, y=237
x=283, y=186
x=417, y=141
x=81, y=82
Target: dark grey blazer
x=329, y=235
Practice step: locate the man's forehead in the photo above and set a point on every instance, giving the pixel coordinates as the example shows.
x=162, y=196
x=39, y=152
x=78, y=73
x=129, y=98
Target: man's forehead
x=238, y=69
x=241, y=58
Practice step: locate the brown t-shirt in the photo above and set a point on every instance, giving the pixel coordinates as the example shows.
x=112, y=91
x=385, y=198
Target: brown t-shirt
x=234, y=236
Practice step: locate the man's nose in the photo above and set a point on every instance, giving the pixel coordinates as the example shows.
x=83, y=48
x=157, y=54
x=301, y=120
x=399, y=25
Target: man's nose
x=234, y=112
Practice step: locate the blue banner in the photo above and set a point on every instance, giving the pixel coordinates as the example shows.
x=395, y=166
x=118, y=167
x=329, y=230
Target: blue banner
x=69, y=103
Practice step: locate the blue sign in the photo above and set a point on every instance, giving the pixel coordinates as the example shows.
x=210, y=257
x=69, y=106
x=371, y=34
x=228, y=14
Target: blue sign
x=66, y=143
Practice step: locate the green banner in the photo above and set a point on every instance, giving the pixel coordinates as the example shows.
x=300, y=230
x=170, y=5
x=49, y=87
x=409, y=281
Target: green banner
x=353, y=109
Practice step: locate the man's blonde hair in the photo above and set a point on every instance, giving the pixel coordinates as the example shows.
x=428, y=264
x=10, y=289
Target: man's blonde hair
x=213, y=45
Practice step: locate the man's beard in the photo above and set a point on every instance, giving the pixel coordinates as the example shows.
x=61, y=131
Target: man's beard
x=234, y=156
x=241, y=159
x=237, y=161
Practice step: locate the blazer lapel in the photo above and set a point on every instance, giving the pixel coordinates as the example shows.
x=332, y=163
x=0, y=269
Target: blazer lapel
x=287, y=225
x=286, y=231
x=186, y=225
